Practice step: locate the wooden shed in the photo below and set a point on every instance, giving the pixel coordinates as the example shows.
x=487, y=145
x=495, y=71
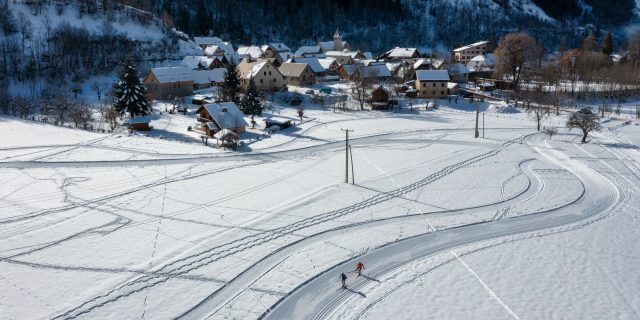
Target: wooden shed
x=380, y=98
x=140, y=123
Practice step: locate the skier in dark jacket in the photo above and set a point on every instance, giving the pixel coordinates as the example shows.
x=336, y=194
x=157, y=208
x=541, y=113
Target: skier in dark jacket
x=343, y=277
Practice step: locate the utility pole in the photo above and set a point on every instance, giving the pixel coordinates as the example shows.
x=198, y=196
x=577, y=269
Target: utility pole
x=346, y=158
x=477, y=116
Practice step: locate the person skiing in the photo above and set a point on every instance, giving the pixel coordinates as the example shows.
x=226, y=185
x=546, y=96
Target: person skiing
x=359, y=268
x=343, y=277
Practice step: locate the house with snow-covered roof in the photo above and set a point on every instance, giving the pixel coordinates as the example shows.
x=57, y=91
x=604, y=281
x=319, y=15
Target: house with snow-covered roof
x=432, y=83
x=310, y=51
x=265, y=75
x=458, y=72
x=253, y=52
x=314, y=64
x=202, y=62
x=397, y=54
x=277, y=50
x=203, y=42
x=214, y=117
x=482, y=62
x=162, y=83
x=466, y=53
x=297, y=74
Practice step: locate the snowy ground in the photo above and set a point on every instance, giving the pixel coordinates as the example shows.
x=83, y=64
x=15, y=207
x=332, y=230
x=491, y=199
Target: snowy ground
x=511, y=225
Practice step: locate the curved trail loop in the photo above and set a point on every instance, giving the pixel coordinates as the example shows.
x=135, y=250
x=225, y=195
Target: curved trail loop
x=313, y=300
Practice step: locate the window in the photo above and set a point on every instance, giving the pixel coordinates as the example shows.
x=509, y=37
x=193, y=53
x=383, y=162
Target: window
x=269, y=72
x=265, y=73
x=434, y=84
x=442, y=84
x=441, y=92
x=274, y=80
x=260, y=80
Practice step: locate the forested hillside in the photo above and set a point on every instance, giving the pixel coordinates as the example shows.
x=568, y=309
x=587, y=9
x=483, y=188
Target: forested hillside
x=377, y=24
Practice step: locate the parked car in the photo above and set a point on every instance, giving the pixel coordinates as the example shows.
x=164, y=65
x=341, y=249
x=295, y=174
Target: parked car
x=310, y=92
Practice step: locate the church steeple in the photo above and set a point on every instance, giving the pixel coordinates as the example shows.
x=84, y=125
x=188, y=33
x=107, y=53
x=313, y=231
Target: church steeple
x=337, y=41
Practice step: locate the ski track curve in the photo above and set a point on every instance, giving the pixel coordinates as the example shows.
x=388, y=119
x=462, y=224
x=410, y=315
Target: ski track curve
x=310, y=300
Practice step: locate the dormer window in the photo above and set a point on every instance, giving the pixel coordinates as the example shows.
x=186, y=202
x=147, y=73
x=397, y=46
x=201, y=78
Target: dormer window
x=224, y=109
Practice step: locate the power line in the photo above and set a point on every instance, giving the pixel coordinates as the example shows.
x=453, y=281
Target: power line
x=346, y=149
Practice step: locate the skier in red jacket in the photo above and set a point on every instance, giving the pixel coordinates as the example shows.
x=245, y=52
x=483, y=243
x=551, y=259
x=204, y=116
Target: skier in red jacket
x=359, y=267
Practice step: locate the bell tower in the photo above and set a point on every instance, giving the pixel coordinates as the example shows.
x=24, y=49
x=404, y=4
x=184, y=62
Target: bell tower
x=337, y=41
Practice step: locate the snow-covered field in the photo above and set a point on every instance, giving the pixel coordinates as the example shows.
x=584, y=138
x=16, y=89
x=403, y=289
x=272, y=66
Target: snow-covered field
x=512, y=225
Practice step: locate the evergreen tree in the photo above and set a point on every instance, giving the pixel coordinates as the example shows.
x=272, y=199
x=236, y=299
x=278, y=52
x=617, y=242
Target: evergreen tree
x=129, y=93
x=231, y=86
x=607, y=44
x=251, y=104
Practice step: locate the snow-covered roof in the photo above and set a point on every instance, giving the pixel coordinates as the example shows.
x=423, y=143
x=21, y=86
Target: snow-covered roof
x=140, y=119
x=451, y=85
x=292, y=69
x=402, y=52
x=226, y=134
x=213, y=50
x=479, y=43
x=285, y=55
x=309, y=51
x=313, y=63
x=208, y=76
x=376, y=70
x=172, y=74
x=175, y=74
x=252, y=51
x=278, y=120
x=432, y=75
x=226, y=115
x=421, y=62
x=327, y=63
x=249, y=70
x=368, y=55
x=458, y=68
x=279, y=46
x=437, y=63
x=333, y=53
x=194, y=62
x=205, y=41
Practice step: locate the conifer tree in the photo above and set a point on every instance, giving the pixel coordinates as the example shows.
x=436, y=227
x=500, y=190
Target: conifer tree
x=129, y=93
x=231, y=86
x=251, y=104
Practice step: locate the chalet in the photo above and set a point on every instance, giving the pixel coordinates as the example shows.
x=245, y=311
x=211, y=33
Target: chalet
x=397, y=54
x=422, y=64
x=215, y=117
x=253, y=52
x=458, y=73
x=314, y=64
x=482, y=62
x=439, y=64
x=432, y=83
x=297, y=74
x=265, y=75
x=140, y=123
x=214, y=51
x=341, y=58
x=202, y=62
x=466, y=53
x=372, y=71
x=279, y=51
x=162, y=83
x=380, y=98
x=329, y=64
x=310, y=51
x=204, y=42
x=336, y=45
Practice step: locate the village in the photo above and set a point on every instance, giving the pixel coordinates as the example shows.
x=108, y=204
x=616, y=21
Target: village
x=330, y=75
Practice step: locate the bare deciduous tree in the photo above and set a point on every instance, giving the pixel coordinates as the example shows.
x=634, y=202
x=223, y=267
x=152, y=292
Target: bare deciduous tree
x=550, y=131
x=99, y=88
x=80, y=114
x=585, y=120
x=514, y=52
